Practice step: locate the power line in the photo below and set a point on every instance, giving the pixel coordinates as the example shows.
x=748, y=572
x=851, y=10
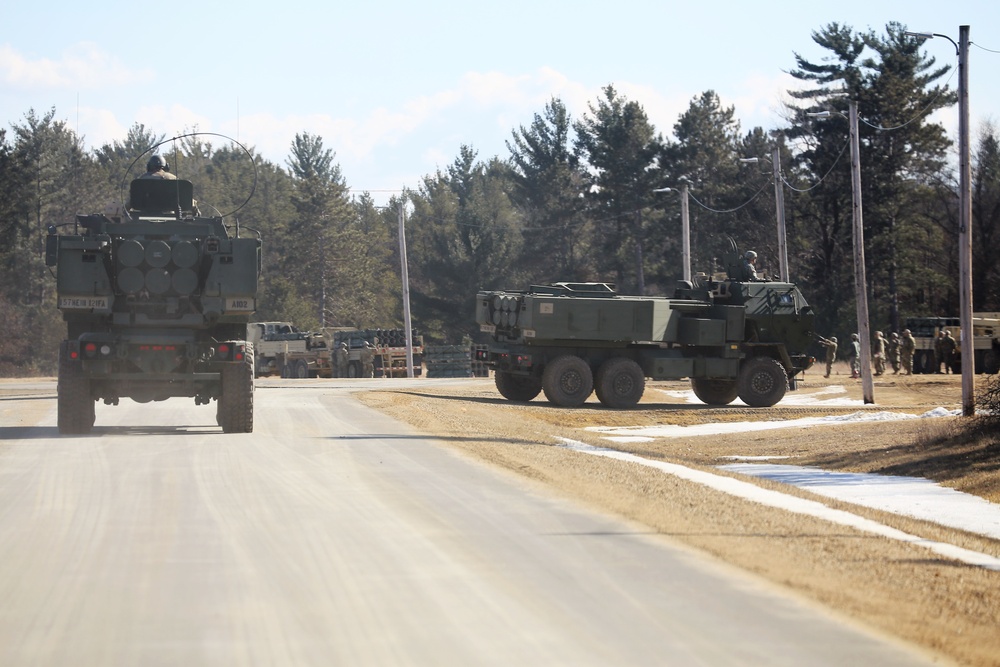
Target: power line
x=983, y=48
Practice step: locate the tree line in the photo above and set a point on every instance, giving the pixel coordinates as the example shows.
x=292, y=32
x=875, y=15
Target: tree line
x=575, y=199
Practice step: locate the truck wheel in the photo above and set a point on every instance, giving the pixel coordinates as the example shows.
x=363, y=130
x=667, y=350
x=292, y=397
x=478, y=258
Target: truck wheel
x=75, y=407
x=923, y=362
x=520, y=388
x=620, y=383
x=301, y=369
x=235, y=410
x=567, y=381
x=991, y=362
x=715, y=392
x=762, y=382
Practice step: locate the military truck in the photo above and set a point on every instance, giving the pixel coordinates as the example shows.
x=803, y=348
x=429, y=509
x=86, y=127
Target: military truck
x=985, y=342
x=282, y=349
x=273, y=342
x=156, y=302
x=732, y=338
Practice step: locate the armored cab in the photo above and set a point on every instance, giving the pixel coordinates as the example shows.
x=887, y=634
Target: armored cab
x=731, y=337
x=156, y=303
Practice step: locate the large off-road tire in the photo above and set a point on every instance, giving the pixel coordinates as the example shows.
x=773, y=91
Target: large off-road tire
x=763, y=382
x=520, y=388
x=301, y=369
x=923, y=362
x=991, y=362
x=75, y=407
x=567, y=381
x=235, y=410
x=715, y=392
x=620, y=383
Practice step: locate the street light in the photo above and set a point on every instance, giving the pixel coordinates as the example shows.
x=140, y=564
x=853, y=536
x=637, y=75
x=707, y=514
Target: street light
x=685, y=229
x=964, y=218
x=860, y=282
x=779, y=207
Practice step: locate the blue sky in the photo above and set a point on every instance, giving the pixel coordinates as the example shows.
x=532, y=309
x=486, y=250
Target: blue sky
x=395, y=88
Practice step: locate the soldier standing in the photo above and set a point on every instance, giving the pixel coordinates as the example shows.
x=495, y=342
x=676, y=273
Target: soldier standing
x=342, y=360
x=949, y=346
x=879, y=353
x=831, y=352
x=854, y=356
x=893, y=351
x=939, y=351
x=368, y=360
x=906, y=349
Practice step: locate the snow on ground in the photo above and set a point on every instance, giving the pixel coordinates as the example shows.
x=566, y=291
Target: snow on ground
x=784, y=501
x=648, y=433
x=832, y=395
x=911, y=496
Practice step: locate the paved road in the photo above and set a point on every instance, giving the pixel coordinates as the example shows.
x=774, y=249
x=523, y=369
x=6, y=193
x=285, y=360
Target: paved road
x=335, y=536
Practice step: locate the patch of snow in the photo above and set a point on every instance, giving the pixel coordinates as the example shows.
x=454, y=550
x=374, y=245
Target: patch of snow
x=648, y=433
x=814, y=508
x=911, y=496
x=798, y=397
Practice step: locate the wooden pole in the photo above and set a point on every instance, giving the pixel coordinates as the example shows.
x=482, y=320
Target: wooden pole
x=860, y=282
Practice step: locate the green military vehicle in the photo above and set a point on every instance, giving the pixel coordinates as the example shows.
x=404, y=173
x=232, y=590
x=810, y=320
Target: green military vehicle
x=156, y=303
x=732, y=337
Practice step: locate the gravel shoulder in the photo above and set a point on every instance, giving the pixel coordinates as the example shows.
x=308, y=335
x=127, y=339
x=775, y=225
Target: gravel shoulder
x=950, y=609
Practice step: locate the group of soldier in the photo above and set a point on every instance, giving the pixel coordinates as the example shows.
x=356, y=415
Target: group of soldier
x=341, y=359
x=895, y=350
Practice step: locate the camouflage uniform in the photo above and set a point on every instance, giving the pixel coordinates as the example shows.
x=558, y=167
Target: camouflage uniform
x=893, y=351
x=948, y=346
x=855, y=356
x=831, y=352
x=342, y=360
x=879, y=353
x=939, y=352
x=906, y=349
x=368, y=360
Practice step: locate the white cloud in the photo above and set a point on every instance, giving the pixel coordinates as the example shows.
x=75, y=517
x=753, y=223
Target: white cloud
x=84, y=66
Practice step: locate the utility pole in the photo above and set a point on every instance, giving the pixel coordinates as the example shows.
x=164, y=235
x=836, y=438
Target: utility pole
x=685, y=233
x=779, y=206
x=965, y=229
x=685, y=229
x=964, y=219
x=406, y=287
x=860, y=282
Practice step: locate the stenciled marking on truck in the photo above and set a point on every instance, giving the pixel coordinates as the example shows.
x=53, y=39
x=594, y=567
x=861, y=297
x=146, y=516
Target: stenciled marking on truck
x=545, y=308
x=83, y=302
x=234, y=304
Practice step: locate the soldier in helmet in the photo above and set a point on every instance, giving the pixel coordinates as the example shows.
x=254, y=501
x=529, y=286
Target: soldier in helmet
x=750, y=266
x=948, y=347
x=879, y=353
x=157, y=167
x=907, y=347
x=892, y=350
x=342, y=359
x=854, y=356
x=368, y=360
x=831, y=352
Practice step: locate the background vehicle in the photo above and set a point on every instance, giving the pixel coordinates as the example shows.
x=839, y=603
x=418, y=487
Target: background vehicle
x=156, y=304
x=731, y=338
x=290, y=353
x=986, y=341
